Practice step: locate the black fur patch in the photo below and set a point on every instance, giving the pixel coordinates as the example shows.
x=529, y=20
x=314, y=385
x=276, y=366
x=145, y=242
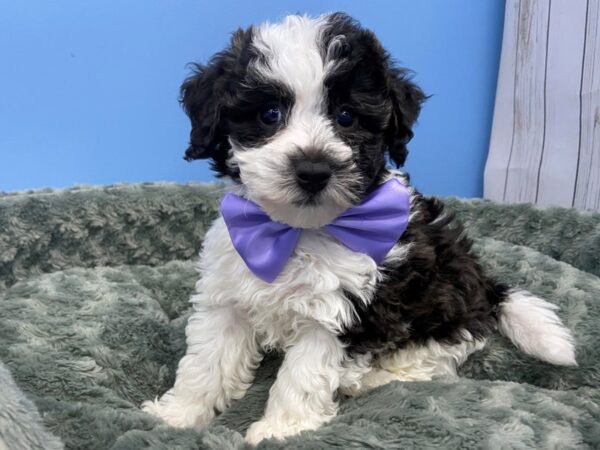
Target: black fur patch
x=439, y=289
x=224, y=99
x=436, y=292
x=369, y=83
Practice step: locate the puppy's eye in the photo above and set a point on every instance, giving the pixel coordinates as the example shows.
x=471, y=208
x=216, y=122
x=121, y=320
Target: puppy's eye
x=345, y=118
x=271, y=115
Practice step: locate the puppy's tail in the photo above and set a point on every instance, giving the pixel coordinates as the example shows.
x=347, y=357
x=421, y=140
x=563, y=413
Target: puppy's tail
x=533, y=326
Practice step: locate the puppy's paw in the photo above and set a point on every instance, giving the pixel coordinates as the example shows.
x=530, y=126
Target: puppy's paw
x=370, y=380
x=262, y=430
x=176, y=414
x=265, y=429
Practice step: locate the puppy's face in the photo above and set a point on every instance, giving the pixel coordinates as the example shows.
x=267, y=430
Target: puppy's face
x=301, y=114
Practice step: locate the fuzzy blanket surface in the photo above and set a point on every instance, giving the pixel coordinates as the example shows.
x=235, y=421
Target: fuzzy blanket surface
x=94, y=289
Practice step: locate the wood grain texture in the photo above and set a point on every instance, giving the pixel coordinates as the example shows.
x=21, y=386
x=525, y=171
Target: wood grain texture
x=502, y=130
x=530, y=107
x=587, y=188
x=545, y=143
x=558, y=166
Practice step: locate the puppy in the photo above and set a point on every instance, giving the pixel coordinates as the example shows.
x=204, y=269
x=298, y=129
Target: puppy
x=301, y=116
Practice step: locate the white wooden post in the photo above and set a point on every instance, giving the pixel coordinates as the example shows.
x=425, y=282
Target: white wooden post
x=545, y=143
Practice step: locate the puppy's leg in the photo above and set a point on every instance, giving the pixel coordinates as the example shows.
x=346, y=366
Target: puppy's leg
x=418, y=363
x=302, y=397
x=222, y=355
x=374, y=378
x=423, y=362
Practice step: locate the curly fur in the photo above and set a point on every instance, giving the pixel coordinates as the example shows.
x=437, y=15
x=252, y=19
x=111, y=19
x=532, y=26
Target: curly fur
x=88, y=342
x=338, y=316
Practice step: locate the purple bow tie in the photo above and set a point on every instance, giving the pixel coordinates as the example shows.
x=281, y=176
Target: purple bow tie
x=372, y=227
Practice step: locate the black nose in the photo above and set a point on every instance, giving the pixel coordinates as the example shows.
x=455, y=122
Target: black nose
x=313, y=176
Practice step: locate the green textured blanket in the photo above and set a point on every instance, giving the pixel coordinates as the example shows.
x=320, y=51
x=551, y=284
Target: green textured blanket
x=94, y=288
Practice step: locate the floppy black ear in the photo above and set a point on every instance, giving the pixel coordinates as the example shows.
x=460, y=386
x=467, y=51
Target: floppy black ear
x=203, y=108
x=205, y=94
x=406, y=98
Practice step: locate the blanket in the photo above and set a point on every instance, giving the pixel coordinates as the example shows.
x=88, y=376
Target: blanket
x=94, y=290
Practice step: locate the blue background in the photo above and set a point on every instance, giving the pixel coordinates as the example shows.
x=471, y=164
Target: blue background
x=88, y=89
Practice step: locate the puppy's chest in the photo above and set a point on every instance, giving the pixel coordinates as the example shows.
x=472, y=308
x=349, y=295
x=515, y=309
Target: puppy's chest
x=316, y=284
x=315, y=287
x=320, y=266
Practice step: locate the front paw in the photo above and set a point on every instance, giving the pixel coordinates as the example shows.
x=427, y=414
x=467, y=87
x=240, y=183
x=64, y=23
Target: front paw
x=279, y=429
x=261, y=430
x=177, y=414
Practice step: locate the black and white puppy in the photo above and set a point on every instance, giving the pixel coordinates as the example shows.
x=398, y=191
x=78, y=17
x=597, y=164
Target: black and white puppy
x=324, y=91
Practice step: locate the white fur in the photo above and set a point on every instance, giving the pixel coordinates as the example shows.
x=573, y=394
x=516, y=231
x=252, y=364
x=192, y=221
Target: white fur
x=302, y=397
x=293, y=58
x=418, y=363
x=302, y=312
x=222, y=353
x=237, y=315
x=424, y=362
x=533, y=326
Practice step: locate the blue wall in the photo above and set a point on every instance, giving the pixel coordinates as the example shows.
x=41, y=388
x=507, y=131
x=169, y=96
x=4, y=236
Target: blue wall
x=88, y=89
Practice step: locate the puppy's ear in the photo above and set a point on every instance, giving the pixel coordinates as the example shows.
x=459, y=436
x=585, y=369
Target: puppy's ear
x=406, y=98
x=203, y=108
x=205, y=94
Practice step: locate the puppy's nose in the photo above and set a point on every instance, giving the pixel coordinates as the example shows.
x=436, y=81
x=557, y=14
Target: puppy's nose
x=313, y=176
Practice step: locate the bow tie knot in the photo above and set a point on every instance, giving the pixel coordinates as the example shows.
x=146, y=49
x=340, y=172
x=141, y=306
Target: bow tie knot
x=372, y=227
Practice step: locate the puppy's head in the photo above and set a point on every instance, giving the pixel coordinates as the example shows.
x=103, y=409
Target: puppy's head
x=301, y=114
